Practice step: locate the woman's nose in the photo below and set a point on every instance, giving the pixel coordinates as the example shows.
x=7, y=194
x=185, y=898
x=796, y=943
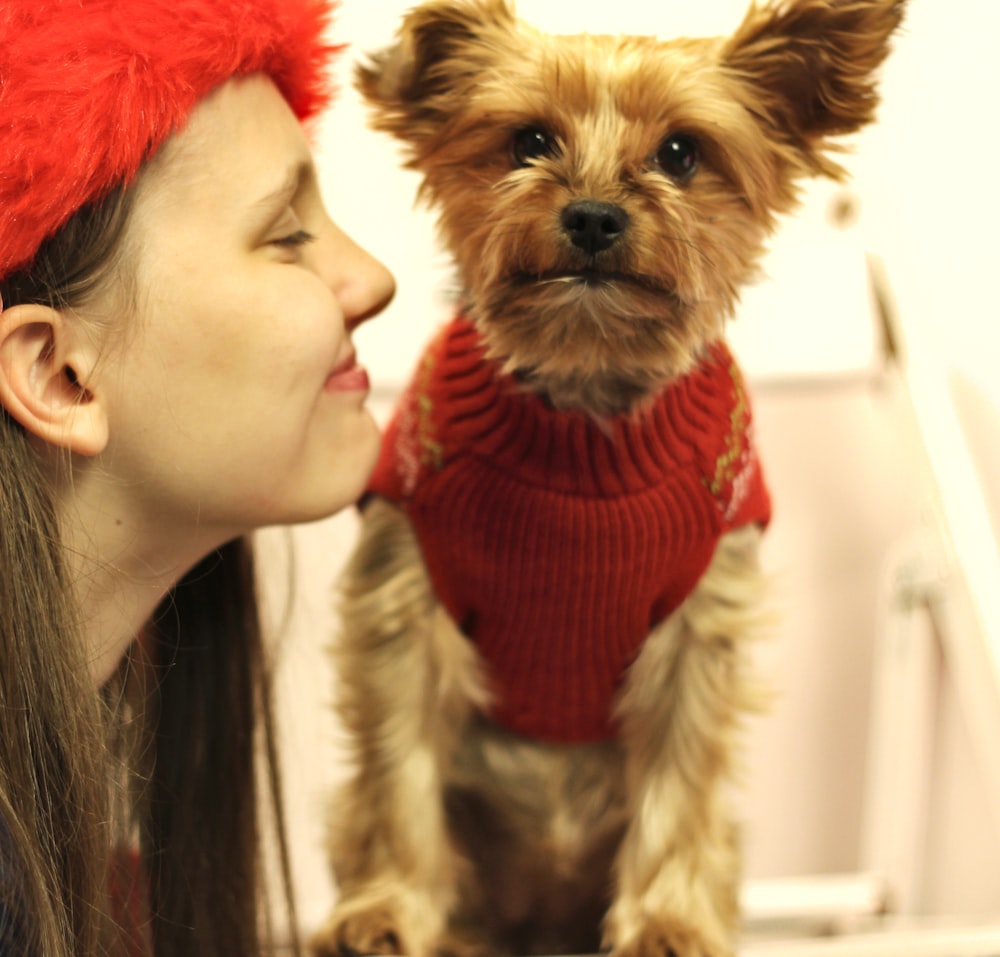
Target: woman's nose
x=378, y=288
x=365, y=285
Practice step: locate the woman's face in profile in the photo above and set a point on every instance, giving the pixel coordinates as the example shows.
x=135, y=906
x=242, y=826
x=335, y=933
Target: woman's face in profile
x=235, y=400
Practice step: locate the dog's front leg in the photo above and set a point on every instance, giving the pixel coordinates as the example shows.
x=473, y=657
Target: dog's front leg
x=408, y=680
x=677, y=870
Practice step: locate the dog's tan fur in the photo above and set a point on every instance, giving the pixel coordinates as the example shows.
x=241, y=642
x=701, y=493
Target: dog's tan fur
x=454, y=836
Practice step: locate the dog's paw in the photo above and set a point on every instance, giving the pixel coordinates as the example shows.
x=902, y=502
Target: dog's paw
x=375, y=934
x=354, y=934
x=665, y=937
x=383, y=921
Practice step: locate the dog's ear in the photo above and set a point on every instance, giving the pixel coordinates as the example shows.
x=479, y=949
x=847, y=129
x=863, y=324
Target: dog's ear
x=414, y=84
x=810, y=67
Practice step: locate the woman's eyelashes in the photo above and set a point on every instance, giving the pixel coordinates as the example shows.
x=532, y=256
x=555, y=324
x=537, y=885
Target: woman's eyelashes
x=299, y=237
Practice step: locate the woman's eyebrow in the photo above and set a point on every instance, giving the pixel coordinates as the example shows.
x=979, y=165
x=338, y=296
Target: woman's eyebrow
x=288, y=186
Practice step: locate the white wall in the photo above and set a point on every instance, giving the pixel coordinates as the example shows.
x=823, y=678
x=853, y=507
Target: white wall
x=930, y=206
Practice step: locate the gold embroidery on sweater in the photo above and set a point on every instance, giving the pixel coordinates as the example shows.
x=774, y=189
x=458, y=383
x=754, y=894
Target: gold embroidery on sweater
x=736, y=462
x=431, y=450
x=417, y=449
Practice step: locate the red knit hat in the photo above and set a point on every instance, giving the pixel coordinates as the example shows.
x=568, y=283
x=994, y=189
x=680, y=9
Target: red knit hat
x=89, y=89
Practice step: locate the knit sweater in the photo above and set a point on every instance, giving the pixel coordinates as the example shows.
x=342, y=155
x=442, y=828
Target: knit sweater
x=556, y=543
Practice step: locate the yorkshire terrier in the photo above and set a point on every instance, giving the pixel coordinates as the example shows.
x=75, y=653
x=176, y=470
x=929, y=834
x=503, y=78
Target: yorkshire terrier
x=544, y=656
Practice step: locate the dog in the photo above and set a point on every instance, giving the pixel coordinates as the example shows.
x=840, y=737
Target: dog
x=543, y=665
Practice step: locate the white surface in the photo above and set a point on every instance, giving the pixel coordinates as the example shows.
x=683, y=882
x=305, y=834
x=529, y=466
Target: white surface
x=831, y=897
x=924, y=942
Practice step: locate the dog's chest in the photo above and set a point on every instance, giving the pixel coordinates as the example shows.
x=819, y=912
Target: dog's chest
x=556, y=545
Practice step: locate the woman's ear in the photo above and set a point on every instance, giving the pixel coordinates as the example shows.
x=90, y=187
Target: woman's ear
x=45, y=368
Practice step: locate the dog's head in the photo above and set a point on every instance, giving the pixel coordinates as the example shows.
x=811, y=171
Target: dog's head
x=605, y=198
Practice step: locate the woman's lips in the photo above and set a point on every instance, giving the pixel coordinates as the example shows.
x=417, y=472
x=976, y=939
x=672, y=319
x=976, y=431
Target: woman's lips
x=348, y=377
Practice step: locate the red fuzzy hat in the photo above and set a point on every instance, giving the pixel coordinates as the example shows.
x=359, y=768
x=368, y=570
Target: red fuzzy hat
x=89, y=89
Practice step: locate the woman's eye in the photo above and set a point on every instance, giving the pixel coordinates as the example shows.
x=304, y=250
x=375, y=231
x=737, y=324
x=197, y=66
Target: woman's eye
x=299, y=238
x=678, y=157
x=530, y=144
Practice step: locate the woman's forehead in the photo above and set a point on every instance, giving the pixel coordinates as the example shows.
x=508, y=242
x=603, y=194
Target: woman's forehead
x=240, y=141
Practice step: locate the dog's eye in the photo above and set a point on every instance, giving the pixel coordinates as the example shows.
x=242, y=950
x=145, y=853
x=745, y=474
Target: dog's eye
x=531, y=143
x=678, y=157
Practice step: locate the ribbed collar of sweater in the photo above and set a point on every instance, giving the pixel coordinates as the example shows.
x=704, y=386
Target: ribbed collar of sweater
x=492, y=414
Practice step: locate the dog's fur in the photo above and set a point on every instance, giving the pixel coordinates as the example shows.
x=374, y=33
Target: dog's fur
x=453, y=835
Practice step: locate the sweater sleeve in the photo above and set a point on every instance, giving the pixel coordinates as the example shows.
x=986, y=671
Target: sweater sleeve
x=731, y=466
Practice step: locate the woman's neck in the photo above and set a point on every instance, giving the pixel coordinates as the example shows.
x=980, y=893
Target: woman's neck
x=121, y=564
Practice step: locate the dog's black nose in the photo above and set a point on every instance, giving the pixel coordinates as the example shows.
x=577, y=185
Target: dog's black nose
x=593, y=226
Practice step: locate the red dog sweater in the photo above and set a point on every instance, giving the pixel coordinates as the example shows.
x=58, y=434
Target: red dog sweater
x=556, y=544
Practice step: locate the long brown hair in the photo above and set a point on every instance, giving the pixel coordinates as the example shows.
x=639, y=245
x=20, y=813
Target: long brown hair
x=169, y=758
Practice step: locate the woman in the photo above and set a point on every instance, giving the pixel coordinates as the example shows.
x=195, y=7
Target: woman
x=176, y=369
